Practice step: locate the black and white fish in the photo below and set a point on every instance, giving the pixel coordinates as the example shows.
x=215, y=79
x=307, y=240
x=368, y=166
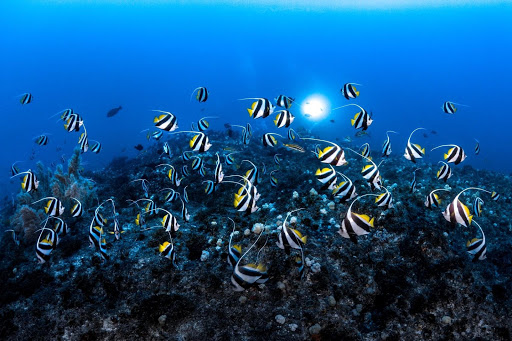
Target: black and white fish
x=219, y=174
x=60, y=227
x=26, y=98
x=96, y=147
x=46, y=245
x=355, y=224
x=361, y=120
x=450, y=108
x=53, y=207
x=73, y=122
x=167, y=250
x=384, y=199
x=292, y=239
x=283, y=119
x=327, y=176
x=477, y=247
x=262, y=108
x=29, y=182
x=455, y=154
x=445, y=172
x=269, y=140
x=172, y=174
x=333, y=155
x=292, y=135
x=15, y=237
x=235, y=251
x=184, y=212
x=185, y=194
x=386, y=147
x=477, y=147
x=203, y=124
x=273, y=179
x=166, y=122
x=413, y=151
x=432, y=199
x=413, y=182
x=253, y=174
x=42, y=140
x=477, y=207
x=345, y=190
x=210, y=187
x=277, y=160
x=284, y=101
x=246, y=276
x=349, y=91
x=495, y=196
x=201, y=94
x=77, y=209
x=229, y=159
x=457, y=212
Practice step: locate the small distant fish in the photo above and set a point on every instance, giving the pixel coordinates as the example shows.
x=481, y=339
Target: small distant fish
x=184, y=212
x=26, y=98
x=73, y=122
x=495, y=196
x=291, y=238
x=203, y=124
x=155, y=135
x=332, y=121
x=449, y=107
x=295, y=147
x=172, y=174
x=235, y=251
x=172, y=195
x=413, y=182
x=201, y=94
x=291, y=134
x=273, y=179
x=477, y=147
x=83, y=141
x=14, y=170
x=361, y=133
x=114, y=111
x=96, y=147
x=349, y=90
x=139, y=147
x=185, y=171
x=167, y=250
x=347, y=139
x=15, y=237
x=219, y=174
x=386, y=147
x=42, y=140
x=277, y=160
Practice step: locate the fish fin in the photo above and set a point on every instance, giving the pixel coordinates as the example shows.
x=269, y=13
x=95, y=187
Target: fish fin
x=250, y=112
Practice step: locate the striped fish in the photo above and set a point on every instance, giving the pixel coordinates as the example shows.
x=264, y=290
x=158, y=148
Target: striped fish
x=210, y=187
x=432, y=199
x=361, y=120
x=333, y=155
x=235, y=251
x=284, y=101
x=96, y=147
x=46, y=245
x=386, y=147
x=283, y=119
x=349, y=90
x=495, y=196
x=269, y=140
x=83, y=141
x=185, y=194
x=200, y=143
x=457, y=212
x=477, y=247
x=477, y=207
x=172, y=174
x=372, y=175
x=53, y=207
x=42, y=140
x=186, y=156
x=184, y=170
x=327, y=176
x=229, y=159
x=15, y=237
x=449, y=107
x=345, y=190
x=295, y=147
x=29, y=182
x=445, y=172
x=292, y=135
x=219, y=174
x=77, y=209
x=253, y=174
x=366, y=151
x=26, y=98
x=277, y=160
x=413, y=182
x=384, y=199
x=273, y=179
x=413, y=151
x=355, y=224
x=167, y=250
x=262, y=108
x=201, y=94
x=60, y=227
x=203, y=124
x=202, y=171
x=73, y=122
x=169, y=222
x=167, y=149
x=292, y=239
x=455, y=154
x=184, y=212
x=14, y=170
x=166, y=122
x=139, y=220
x=477, y=147
x=172, y=195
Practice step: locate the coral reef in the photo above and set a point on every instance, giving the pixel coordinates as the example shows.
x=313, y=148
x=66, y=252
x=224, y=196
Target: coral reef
x=410, y=278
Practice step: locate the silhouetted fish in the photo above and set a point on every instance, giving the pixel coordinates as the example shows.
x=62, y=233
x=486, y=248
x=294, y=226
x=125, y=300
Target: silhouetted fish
x=114, y=111
x=139, y=147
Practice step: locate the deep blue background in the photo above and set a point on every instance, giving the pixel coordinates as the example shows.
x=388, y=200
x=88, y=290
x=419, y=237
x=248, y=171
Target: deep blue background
x=95, y=57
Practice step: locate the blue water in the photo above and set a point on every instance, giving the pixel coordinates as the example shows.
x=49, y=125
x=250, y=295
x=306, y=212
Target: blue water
x=93, y=57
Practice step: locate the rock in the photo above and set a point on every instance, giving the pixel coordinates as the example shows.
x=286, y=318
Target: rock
x=446, y=320
x=315, y=329
x=293, y=327
x=280, y=319
x=257, y=228
x=295, y=195
x=162, y=319
x=204, y=256
x=293, y=220
x=247, y=232
x=242, y=299
x=313, y=192
x=331, y=205
x=331, y=300
x=316, y=267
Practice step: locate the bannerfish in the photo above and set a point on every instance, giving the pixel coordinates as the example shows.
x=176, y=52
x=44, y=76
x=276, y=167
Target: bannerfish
x=113, y=112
